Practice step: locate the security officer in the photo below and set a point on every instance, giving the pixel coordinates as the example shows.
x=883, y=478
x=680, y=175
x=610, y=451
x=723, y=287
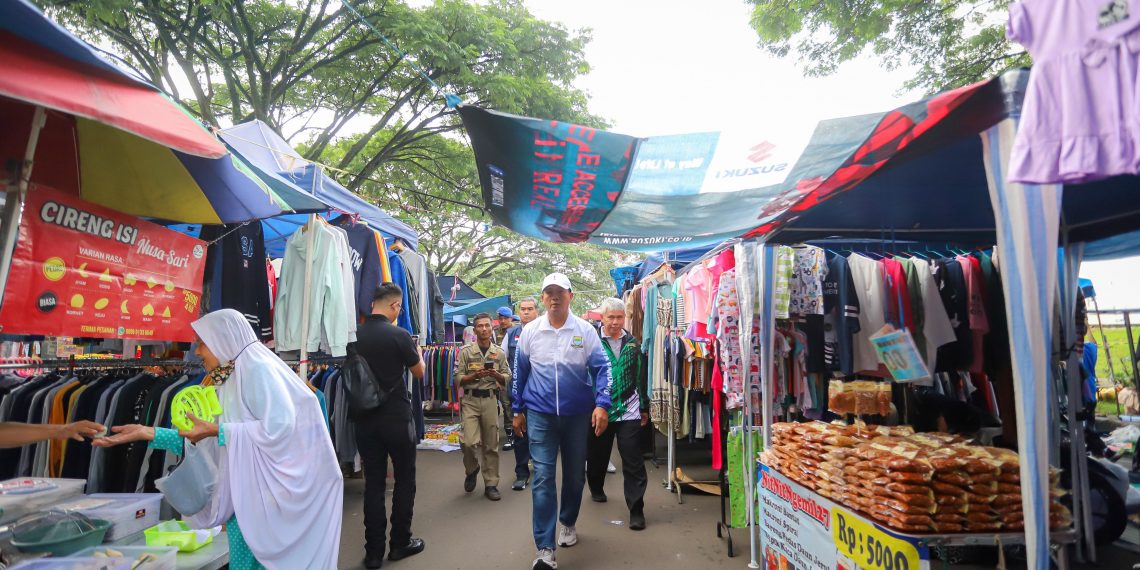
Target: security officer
x=484, y=375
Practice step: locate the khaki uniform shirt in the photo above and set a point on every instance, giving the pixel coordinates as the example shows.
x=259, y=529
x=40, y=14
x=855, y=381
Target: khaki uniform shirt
x=471, y=359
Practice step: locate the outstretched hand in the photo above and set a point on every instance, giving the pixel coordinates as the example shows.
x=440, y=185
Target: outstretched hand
x=201, y=430
x=79, y=430
x=125, y=434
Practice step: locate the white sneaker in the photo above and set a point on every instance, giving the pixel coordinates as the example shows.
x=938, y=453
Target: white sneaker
x=567, y=536
x=544, y=560
x=611, y=468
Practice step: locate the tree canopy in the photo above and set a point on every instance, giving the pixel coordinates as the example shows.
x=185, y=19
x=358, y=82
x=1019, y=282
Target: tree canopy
x=320, y=77
x=951, y=43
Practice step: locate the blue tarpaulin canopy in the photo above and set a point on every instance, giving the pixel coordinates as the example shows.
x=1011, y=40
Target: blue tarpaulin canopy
x=271, y=154
x=488, y=305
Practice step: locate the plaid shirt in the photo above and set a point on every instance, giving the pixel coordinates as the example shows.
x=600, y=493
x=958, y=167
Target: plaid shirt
x=783, y=290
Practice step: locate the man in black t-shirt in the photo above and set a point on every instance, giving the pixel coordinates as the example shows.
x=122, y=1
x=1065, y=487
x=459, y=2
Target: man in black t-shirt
x=388, y=431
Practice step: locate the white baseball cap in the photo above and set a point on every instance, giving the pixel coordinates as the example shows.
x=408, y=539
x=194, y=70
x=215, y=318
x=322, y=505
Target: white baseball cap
x=556, y=279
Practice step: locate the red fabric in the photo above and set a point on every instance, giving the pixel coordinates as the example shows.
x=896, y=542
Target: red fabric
x=38, y=76
x=717, y=437
x=898, y=291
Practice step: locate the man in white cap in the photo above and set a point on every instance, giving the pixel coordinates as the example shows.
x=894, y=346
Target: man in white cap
x=561, y=387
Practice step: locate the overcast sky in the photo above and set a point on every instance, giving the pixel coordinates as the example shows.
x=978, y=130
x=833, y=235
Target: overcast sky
x=667, y=66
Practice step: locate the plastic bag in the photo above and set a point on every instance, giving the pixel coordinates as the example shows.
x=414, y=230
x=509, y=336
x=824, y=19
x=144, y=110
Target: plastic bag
x=189, y=488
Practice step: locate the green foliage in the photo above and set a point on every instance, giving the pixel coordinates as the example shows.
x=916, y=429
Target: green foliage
x=950, y=42
x=313, y=72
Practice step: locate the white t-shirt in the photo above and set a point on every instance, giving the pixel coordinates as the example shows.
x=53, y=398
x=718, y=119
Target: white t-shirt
x=870, y=288
x=936, y=325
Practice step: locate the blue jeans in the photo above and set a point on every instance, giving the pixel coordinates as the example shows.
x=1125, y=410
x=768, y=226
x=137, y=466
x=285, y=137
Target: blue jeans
x=548, y=434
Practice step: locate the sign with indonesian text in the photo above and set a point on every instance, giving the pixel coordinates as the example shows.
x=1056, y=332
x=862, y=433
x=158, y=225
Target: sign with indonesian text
x=83, y=270
x=801, y=530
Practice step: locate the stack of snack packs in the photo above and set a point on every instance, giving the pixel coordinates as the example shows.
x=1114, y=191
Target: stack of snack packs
x=930, y=482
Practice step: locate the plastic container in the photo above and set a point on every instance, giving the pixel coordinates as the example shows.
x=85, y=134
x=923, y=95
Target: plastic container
x=162, y=558
x=128, y=513
x=57, y=533
x=25, y=495
x=179, y=535
x=75, y=564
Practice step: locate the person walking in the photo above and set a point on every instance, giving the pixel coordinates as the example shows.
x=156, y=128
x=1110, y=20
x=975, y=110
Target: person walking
x=388, y=431
x=528, y=312
x=628, y=414
x=562, y=388
x=503, y=322
x=279, y=490
x=483, y=374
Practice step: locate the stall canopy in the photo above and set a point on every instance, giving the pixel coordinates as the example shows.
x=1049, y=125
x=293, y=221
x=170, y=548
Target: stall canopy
x=475, y=306
x=269, y=153
x=455, y=289
x=107, y=136
x=566, y=183
x=48, y=66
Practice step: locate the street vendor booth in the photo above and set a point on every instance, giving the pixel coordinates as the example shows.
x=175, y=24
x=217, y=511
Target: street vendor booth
x=926, y=180
x=96, y=157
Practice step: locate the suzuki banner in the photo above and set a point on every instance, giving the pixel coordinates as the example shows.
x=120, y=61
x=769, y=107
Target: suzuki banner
x=83, y=270
x=567, y=183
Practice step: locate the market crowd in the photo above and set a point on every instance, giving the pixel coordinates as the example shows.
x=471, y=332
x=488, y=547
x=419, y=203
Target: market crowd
x=544, y=384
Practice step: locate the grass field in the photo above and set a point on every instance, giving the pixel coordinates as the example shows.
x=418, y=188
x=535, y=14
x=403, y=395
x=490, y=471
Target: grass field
x=1117, y=340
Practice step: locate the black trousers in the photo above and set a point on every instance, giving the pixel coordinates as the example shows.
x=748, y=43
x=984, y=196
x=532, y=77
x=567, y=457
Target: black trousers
x=598, y=449
x=387, y=433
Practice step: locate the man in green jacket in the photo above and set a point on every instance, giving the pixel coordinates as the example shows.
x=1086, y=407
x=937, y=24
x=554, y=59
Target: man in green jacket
x=629, y=413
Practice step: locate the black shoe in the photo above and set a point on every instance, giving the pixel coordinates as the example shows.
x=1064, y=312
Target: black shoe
x=637, y=520
x=598, y=497
x=520, y=483
x=414, y=547
x=469, y=482
x=373, y=562
x=493, y=493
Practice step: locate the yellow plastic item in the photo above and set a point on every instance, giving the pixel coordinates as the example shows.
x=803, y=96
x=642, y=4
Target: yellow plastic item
x=202, y=401
x=177, y=534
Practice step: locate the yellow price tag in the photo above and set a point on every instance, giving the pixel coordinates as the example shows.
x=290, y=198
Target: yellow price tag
x=869, y=547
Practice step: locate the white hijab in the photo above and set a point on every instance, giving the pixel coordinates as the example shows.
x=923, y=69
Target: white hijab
x=279, y=472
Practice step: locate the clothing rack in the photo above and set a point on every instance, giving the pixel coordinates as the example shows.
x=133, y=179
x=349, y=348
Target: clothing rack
x=73, y=363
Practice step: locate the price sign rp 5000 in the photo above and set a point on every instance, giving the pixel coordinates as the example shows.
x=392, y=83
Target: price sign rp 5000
x=870, y=548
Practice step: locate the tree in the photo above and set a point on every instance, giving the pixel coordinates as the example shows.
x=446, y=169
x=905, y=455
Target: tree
x=951, y=42
x=313, y=72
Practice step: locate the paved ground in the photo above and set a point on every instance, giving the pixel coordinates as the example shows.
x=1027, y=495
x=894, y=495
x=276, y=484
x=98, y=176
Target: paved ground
x=466, y=531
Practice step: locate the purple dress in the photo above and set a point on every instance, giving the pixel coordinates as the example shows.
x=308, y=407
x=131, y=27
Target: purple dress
x=1079, y=121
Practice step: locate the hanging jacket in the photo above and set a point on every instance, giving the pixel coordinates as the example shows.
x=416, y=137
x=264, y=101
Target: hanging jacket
x=328, y=317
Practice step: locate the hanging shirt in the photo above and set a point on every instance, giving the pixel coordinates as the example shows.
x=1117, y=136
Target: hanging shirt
x=841, y=321
x=976, y=305
x=809, y=269
x=952, y=288
x=365, y=259
x=697, y=284
x=329, y=316
x=1078, y=122
x=785, y=262
x=936, y=328
x=237, y=270
x=382, y=253
x=870, y=291
x=897, y=304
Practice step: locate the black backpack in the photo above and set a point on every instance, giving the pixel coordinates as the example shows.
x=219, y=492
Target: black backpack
x=363, y=389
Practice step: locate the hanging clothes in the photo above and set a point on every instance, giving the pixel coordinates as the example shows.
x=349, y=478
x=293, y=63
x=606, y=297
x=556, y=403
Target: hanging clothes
x=364, y=254
x=235, y=271
x=330, y=311
x=1079, y=119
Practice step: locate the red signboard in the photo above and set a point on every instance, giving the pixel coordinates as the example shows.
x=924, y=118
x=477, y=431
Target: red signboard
x=83, y=270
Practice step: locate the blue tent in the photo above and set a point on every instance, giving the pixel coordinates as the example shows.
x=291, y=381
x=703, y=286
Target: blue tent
x=489, y=305
x=262, y=147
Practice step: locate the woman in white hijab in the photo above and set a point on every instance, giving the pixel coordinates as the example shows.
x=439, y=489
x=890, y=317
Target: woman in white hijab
x=278, y=476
